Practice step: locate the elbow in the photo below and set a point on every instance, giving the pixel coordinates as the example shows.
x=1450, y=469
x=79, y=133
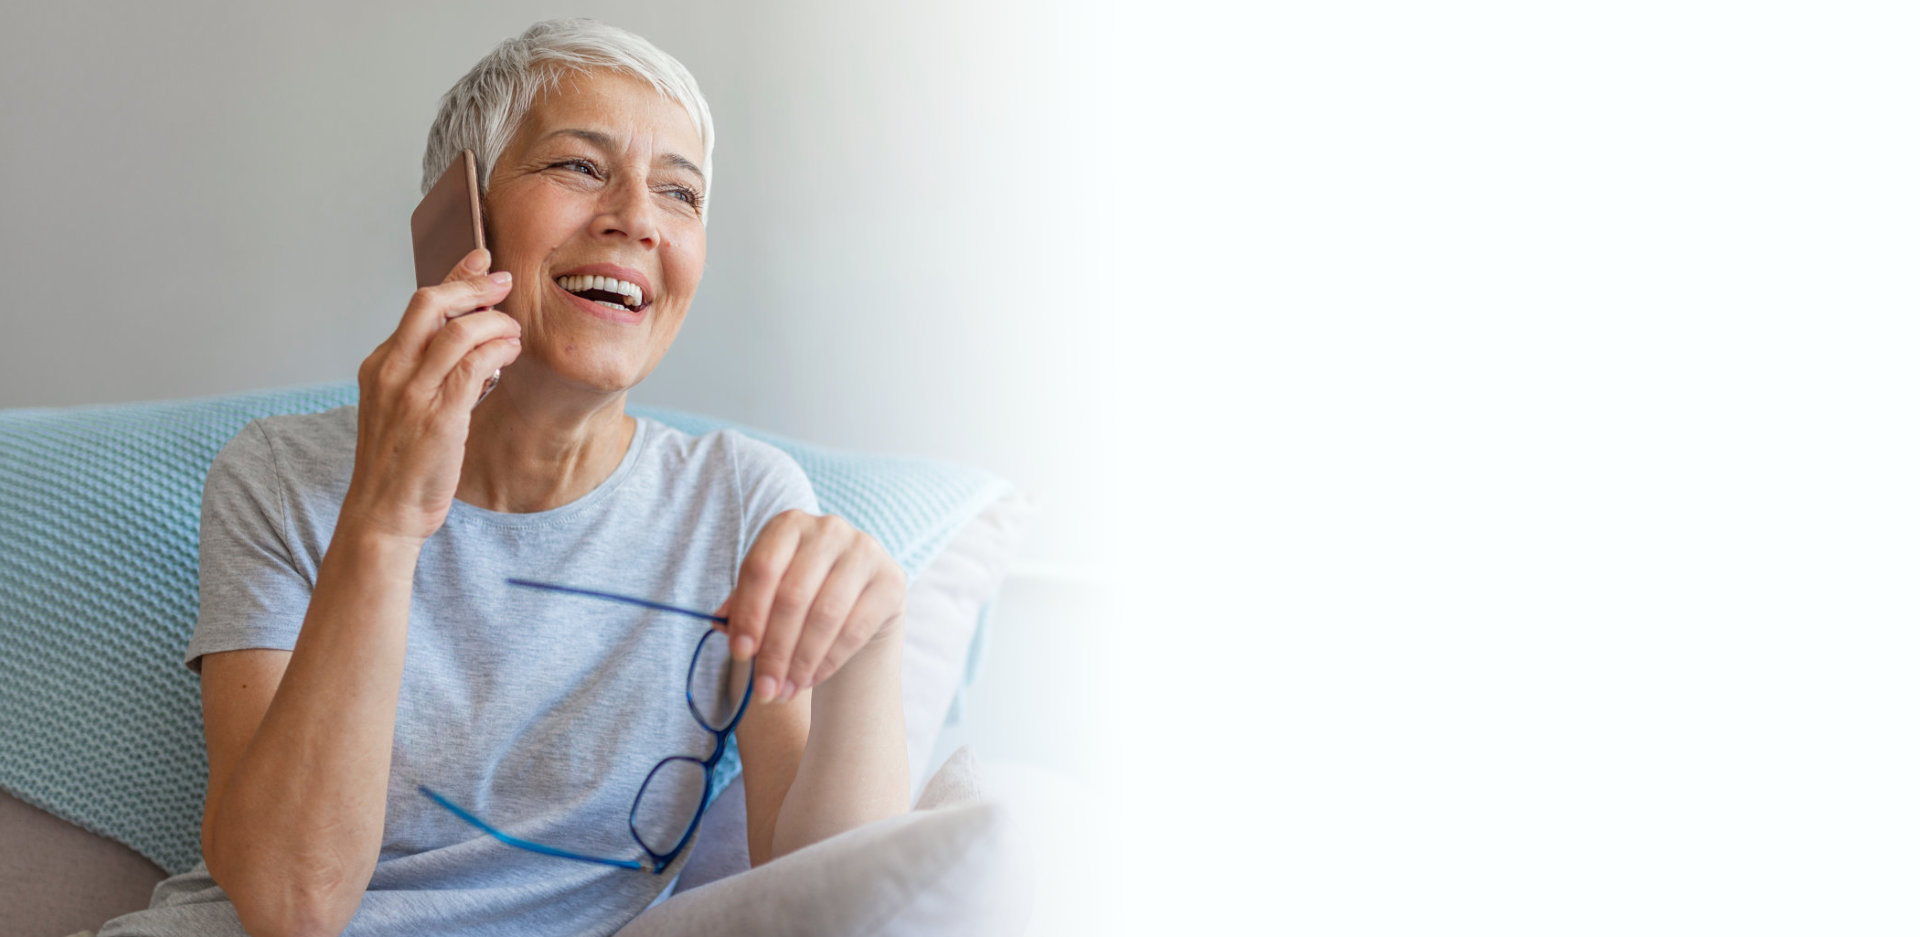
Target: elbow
x=291, y=913
x=292, y=927
x=288, y=928
x=272, y=903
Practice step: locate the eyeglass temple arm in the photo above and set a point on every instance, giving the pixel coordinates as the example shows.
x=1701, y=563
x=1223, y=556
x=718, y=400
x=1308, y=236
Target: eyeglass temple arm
x=615, y=597
x=521, y=843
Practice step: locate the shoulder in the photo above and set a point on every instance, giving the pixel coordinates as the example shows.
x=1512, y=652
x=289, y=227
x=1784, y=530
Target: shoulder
x=311, y=440
x=753, y=457
x=726, y=451
x=296, y=452
x=760, y=477
x=767, y=479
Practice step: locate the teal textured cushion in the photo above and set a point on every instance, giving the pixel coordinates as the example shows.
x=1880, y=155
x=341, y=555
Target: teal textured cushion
x=100, y=508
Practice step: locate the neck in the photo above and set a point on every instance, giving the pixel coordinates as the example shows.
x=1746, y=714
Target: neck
x=531, y=451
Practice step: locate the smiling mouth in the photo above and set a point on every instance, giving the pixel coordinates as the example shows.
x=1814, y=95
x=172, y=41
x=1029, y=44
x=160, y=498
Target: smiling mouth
x=607, y=291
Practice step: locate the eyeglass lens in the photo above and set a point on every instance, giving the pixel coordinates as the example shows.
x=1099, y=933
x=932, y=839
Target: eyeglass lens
x=671, y=796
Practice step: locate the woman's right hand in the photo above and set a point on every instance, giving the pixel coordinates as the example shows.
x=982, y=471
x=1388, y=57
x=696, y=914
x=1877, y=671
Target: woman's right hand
x=417, y=393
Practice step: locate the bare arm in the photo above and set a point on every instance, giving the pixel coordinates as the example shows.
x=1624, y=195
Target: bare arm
x=854, y=770
x=297, y=787
x=772, y=742
x=295, y=814
x=820, y=607
x=828, y=760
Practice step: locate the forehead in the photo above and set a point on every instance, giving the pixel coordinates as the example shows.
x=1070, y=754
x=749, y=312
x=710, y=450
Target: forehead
x=621, y=106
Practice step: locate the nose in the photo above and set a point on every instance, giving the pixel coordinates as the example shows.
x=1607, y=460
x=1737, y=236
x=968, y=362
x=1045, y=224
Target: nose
x=626, y=212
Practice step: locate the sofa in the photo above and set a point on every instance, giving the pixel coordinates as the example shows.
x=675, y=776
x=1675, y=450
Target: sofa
x=101, y=768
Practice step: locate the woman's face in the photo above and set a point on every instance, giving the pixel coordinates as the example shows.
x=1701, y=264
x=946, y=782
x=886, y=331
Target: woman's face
x=602, y=179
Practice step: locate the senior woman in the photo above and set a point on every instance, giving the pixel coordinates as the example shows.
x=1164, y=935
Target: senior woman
x=378, y=696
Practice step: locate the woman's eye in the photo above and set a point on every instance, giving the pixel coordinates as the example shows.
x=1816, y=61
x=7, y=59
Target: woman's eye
x=686, y=195
x=590, y=169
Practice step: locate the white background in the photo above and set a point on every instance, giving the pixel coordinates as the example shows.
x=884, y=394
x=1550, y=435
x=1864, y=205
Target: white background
x=1542, y=540
x=1492, y=423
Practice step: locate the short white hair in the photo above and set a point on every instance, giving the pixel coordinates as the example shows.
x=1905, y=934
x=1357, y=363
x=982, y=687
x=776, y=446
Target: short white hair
x=482, y=110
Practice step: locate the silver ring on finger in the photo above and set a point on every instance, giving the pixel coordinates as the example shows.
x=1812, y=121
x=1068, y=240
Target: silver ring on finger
x=488, y=387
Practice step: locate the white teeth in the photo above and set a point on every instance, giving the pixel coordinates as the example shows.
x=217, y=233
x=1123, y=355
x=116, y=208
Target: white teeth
x=574, y=284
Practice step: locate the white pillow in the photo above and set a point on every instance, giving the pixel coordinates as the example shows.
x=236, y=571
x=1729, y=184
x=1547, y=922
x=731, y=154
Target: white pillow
x=945, y=606
x=956, y=784
x=954, y=866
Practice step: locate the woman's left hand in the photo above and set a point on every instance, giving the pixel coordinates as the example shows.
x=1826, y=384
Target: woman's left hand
x=813, y=592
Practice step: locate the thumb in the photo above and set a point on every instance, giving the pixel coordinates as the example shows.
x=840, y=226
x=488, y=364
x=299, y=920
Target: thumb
x=722, y=612
x=474, y=264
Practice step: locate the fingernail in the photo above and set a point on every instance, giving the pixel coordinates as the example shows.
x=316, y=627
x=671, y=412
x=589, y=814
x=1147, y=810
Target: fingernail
x=787, y=691
x=501, y=277
x=765, y=688
x=743, y=648
x=477, y=260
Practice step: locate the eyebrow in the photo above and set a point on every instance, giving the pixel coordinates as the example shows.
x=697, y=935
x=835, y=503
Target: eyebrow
x=607, y=143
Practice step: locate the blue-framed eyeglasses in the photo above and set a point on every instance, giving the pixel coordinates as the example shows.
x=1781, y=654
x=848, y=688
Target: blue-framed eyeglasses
x=674, y=796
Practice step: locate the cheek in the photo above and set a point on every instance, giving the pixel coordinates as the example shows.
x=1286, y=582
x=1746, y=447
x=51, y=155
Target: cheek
x=530, y=220
x=521, y=247
x=687, y=263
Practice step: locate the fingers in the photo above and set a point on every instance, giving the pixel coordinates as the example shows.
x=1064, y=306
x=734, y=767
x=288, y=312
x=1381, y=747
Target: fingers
x=882, y=599
x=830, y=619
x=813, y=558
x=407, y=386
x=476, y=262
x=469, y=287
x=471, y=374
x=451, y=353
x=760, y=574
x=812, y=592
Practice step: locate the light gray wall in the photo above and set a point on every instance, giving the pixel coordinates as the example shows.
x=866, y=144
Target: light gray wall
x=205, y=197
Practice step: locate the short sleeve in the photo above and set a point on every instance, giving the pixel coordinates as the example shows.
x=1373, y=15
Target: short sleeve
x=769, y=482
x=252, y=593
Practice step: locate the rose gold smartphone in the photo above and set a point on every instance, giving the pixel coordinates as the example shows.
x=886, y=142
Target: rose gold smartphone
x=446, y=228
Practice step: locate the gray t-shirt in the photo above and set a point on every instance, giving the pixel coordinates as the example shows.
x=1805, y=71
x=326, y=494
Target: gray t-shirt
x=541, y=713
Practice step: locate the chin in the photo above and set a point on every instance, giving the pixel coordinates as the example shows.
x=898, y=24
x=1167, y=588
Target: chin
x=610, y=381
x=616, y=377
x=602, y=376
